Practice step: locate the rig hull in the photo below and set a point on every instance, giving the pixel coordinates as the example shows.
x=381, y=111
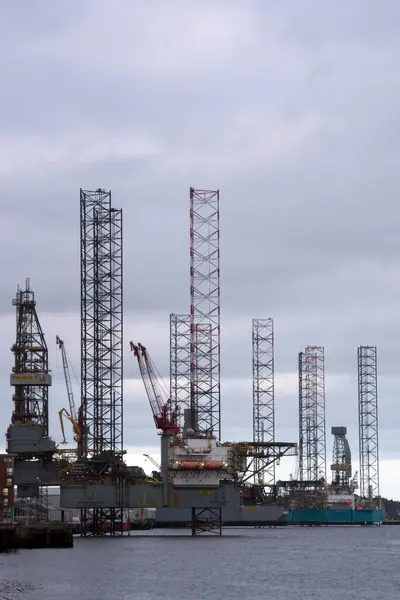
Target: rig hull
x=334, y=516
x=271, y=514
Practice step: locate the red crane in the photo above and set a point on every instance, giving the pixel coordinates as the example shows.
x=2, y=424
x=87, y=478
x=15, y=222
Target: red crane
x=160, y=406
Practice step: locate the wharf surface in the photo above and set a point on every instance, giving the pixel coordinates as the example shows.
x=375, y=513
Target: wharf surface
x=18, y=536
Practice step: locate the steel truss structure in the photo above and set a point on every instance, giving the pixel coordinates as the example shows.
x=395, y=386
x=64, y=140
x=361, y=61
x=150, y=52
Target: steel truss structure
x=31, y=364
x=180, y=379
x=205, y=310
x=206, y=520
x=368, y=421
x=268, y=453
x=312, y=436
x=341, y=458
x=263, y=395
x=101, y=345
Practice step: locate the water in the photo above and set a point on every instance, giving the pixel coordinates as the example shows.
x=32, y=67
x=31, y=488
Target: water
x=360, y=563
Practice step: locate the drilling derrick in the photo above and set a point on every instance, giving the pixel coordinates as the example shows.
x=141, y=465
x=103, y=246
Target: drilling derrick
x=368, y=422
x=180, y=365
x=312, y=439
x=30, y=376
x=341, y=458
x=263, y=395
x=205, y=311
x=101, y=347
x=27, y=436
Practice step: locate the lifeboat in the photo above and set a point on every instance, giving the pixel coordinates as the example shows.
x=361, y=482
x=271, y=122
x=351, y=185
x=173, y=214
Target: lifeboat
x=189, y=464
x=213, y=464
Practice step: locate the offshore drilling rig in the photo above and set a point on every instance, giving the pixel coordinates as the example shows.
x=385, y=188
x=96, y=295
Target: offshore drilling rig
x=198, y=472
x=195, y=386
x=201, y=476
x=100, y=483
x=28, y=434
x=311, y=498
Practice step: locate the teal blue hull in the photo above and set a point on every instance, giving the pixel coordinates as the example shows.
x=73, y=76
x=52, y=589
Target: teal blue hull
x=332, y=516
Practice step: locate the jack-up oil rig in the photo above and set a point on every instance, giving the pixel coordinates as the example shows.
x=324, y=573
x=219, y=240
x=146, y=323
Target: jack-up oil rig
x=198, y=471
x=311, y=498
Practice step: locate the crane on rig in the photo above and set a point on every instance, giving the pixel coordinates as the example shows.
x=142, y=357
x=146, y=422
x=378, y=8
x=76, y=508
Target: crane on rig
x=75, y=418
x=160, y=405
x=67, y=376
x=154, y=462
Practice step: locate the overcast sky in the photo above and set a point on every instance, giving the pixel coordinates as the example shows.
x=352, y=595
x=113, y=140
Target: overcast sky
x=290, y=108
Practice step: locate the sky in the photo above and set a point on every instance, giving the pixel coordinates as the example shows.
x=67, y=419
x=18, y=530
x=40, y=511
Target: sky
x=290, y=109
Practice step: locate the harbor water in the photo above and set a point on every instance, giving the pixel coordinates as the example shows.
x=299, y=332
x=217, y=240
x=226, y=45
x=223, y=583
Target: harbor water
x=286, y=563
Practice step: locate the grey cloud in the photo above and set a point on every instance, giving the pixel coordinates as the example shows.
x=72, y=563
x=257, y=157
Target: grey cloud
x=314, y=24
x=291, y=111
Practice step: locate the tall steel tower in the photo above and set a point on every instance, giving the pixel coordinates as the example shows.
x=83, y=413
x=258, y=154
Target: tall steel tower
x=180, y=364
x=341, y=458
x=30, y=377
x=205, y=309
x=302, y=421
x=368, y=421
x=263, y=394
x=101, y=342
x=312, y=437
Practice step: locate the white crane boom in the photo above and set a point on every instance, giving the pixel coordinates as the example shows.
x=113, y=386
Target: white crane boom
x=67, y=376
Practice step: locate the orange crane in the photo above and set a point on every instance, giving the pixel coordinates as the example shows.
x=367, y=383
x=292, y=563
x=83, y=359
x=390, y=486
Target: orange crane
x=75, y=419
x=164, y=419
